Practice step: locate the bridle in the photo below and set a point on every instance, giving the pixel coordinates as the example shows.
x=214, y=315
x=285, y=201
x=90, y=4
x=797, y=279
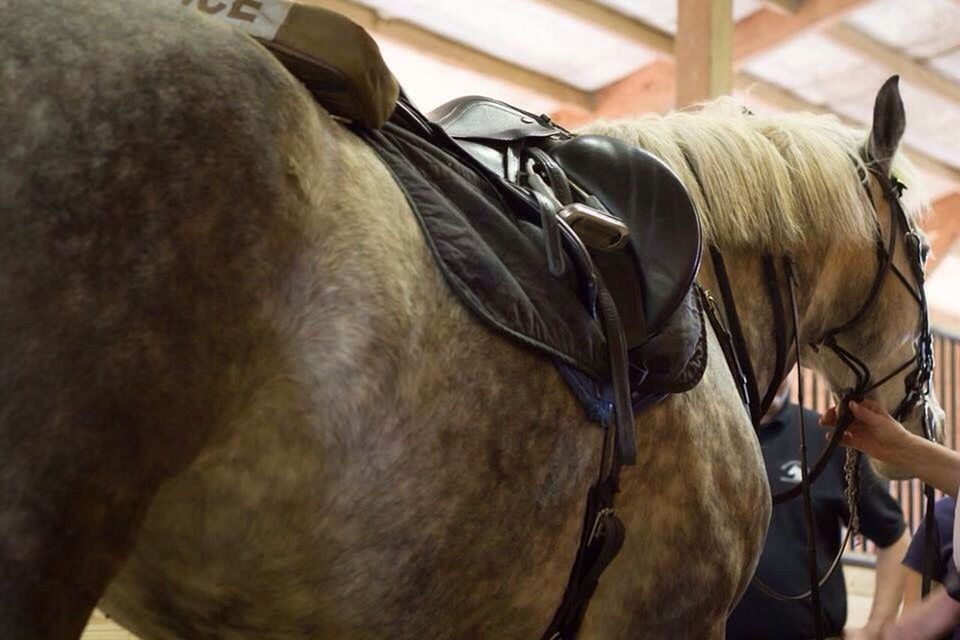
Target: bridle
x=917, y=381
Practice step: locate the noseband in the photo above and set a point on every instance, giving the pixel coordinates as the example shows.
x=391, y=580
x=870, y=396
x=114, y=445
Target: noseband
x=917, y=382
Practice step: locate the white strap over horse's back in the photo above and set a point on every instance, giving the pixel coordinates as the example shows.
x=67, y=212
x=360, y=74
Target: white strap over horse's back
x=261, y=19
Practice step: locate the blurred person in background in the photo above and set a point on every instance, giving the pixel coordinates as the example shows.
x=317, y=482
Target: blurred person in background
x=942, y=558
x=783, y=562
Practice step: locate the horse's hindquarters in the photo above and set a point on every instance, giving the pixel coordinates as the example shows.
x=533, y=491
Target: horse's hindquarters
x=146, y=205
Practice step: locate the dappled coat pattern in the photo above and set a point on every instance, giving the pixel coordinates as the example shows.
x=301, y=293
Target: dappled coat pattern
x=238, y=401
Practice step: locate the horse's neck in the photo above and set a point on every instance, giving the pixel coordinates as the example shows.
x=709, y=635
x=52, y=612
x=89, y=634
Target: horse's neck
x=755, y=307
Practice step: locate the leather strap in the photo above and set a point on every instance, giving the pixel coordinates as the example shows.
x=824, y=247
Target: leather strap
x=808, y=516
x=726, y=346
x=603, y=533
x=736, y=333
x=779, y=320
x=929, y=552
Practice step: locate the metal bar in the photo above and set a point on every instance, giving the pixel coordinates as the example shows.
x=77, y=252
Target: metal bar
x=953, y=393
x=859, y=560
x=912, y=518
x=815, y=386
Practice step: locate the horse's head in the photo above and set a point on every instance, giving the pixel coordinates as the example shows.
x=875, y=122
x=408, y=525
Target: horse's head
x=881, y=348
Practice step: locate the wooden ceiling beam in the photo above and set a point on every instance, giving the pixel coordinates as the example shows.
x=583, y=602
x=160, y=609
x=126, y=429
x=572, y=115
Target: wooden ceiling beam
x=704, y=31
x=786, y=6
x=652, y=88
x=767, y=28
x=457, y=54
x=910, y=70
x=942, y=227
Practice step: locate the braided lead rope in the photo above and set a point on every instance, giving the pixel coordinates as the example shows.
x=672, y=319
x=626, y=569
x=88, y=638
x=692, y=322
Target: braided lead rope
x=851, y=474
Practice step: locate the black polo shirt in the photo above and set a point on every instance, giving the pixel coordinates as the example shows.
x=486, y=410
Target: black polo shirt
x=783, y=563
x=943, y=516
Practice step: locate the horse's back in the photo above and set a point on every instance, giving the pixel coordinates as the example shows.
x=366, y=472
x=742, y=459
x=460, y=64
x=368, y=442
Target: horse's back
x=219, y=298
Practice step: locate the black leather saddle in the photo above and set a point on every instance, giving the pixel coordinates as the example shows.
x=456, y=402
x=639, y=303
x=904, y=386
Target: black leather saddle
x=652, y=271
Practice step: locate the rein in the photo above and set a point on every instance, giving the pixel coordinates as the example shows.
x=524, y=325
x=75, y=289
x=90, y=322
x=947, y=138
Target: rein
x=917, y=382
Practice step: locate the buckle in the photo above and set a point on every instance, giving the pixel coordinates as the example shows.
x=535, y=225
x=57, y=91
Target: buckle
x=598, y=230
x=598, y=523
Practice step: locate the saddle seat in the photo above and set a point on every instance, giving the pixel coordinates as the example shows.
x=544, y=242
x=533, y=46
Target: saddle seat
x=633, y=185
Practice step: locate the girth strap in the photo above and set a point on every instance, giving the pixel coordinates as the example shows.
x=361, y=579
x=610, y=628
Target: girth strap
x=600, y=540
x=603, y=533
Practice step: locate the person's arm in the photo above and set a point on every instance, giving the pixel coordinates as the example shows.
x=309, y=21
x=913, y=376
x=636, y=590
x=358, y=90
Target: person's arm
x=935, y=464
x=911, y=588
x=936, y=615
x=890, y=580
x=881, y=437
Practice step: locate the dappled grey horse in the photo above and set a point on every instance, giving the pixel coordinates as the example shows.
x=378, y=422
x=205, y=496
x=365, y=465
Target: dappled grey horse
x=237, y=399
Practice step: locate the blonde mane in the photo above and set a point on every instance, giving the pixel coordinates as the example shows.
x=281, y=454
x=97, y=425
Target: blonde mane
x=769, y=182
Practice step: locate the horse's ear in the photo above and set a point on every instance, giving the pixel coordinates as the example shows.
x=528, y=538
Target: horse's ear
x=889, y=122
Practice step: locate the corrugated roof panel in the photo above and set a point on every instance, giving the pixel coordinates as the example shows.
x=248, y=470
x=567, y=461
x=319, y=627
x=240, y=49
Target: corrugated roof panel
x=921, y=28
x=530, y=34
x=430, y=82
x=662, y=14
x=811, y=66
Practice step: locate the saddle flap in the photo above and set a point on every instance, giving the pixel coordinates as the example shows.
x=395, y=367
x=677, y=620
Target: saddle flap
x=674, y=360
x=480, y=118
x=347, y=73
x=643, y=192
x=335, y=58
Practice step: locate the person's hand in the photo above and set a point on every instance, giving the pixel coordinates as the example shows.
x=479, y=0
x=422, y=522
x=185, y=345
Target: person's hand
x=872, y=431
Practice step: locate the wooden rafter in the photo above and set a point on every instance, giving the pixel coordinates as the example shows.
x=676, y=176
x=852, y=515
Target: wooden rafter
x=910, y=70
x=942, y=227
x=457, y=53
x=620, y=98
x=652, y=88
x=767, y=28
x=704, y=30
x=787, y=6
x=789, y=101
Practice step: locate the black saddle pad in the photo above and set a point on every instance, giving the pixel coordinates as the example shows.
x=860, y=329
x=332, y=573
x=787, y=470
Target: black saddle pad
x=490, y=256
